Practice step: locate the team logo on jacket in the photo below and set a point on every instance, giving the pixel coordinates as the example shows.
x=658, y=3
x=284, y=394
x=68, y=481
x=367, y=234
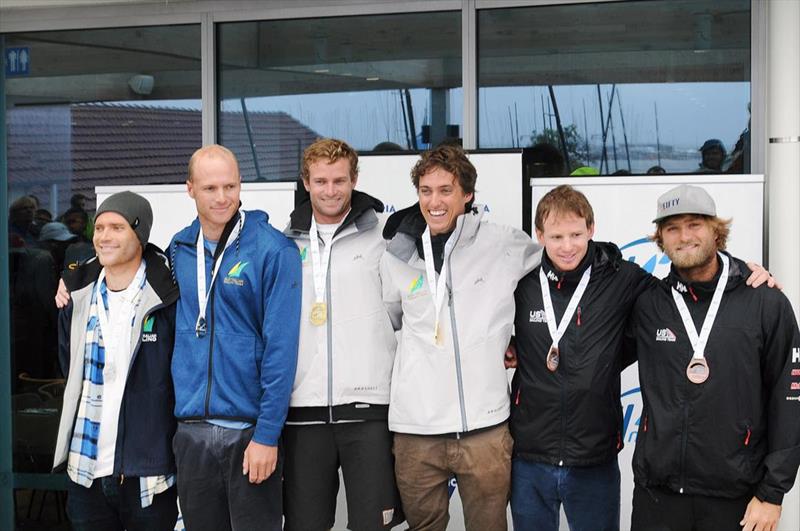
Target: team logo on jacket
x=552, y=276
x=304, y=255
x=665, y=334
x=147, y=330
x=538, y=316
x=235, y=273
x=415, y=285
x=795, y=355
x=681, y=287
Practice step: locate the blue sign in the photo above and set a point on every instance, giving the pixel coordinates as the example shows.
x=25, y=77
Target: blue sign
x=641, y=253
x=18, y=61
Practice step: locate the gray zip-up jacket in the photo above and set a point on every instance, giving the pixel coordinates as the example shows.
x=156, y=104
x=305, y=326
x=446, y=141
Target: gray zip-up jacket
x=461, y=385
x=345, y=364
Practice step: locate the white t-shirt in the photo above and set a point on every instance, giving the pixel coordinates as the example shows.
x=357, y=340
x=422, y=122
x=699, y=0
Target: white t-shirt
x=115, y=373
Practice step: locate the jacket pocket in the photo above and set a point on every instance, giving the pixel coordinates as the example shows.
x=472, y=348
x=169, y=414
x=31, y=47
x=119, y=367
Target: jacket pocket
x=236, y=376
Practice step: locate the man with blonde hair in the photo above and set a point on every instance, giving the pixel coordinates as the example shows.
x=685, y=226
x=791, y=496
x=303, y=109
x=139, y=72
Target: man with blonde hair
x=341, y=390
x=719, y=366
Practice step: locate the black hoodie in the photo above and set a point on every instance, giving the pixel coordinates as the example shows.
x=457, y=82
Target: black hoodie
x=573, y=416
x=737, y=434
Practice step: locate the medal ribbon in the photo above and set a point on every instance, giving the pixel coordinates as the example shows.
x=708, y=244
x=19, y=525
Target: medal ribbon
x=557, y=331
x=319, y=262
x=436, y=287
x=202, y=292
x=699, y=342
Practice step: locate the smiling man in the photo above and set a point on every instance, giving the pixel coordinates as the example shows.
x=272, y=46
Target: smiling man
x=448, y=283
x=115, y=346
x=340, y=398
x=719, y=442
x=235, y=352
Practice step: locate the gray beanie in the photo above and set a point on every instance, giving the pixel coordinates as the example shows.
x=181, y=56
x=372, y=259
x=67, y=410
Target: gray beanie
x=134, y=208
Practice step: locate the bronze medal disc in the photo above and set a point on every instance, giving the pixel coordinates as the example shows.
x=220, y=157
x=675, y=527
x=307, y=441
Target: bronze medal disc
x=552, y=359
x=697, y=370
x=319, y=313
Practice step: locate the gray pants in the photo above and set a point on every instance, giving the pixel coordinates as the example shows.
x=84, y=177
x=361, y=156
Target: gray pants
x=214, y=494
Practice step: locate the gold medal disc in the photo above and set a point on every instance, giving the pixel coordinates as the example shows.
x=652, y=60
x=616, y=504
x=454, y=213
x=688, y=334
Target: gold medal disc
x=319, y=313
x=552, y=359
x=697, y=371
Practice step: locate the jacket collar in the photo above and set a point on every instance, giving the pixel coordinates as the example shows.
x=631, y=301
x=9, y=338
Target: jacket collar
x=705, y=290
x=406, y=226
x=157, y=273
x=363, y=208
x=569, y=279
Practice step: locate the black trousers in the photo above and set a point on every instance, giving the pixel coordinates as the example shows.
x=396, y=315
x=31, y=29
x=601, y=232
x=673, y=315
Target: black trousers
x=314, y=454
x=656, y=509
x=214, y=494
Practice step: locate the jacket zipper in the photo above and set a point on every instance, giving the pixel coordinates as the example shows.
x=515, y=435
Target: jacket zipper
x=457, y=352
x=210, y=347
x=563, y=417
x=747, y=437
x=684, y=443
x=329, y=332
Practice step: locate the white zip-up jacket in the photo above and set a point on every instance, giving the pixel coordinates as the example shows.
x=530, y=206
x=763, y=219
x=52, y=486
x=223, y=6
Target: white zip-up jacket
x=344, y=365
x=461, y=385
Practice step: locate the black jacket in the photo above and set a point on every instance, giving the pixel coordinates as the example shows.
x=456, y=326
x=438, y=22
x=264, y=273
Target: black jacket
x=737, y=434
x=573, y=416
x=146, y=421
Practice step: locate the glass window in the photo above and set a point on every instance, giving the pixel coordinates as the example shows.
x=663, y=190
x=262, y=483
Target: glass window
x=619, y=87
x=381, y=83
x=83, y=108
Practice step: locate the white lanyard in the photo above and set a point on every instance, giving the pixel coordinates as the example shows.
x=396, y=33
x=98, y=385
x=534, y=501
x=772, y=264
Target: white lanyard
x=699, y=342
x=110, y=339
x=557, y=331
x=437, y=288
x=202, y=292
x=319, y=262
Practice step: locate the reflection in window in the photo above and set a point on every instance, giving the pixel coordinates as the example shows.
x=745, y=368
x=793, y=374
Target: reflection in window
x=94, y=107
x=645, y=87
x=381, y=83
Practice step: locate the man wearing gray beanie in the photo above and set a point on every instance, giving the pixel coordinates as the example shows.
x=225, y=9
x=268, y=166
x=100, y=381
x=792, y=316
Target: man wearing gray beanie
x=115, y=349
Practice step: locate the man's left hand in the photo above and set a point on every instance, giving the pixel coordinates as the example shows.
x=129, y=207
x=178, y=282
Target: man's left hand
x=761, y=516
x=760, y=275
x=259, y=461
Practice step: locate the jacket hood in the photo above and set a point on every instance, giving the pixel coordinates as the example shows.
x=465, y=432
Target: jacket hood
x=737, y=273
x=604, y=258
x=300, y=218
x=157, y=273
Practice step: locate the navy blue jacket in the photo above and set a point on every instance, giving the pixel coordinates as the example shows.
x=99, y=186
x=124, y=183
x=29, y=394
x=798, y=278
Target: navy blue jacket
x=146, y=422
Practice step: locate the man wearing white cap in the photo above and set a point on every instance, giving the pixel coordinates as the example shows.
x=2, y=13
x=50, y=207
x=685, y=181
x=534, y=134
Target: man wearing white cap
x=719, y=366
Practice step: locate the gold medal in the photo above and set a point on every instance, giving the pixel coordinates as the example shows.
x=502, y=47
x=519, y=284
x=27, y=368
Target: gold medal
x=319, y=313
x=552, y=359
x=437, y=334
x=697, y=371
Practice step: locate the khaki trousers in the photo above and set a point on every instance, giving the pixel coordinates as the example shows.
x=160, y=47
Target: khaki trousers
x=481, y=463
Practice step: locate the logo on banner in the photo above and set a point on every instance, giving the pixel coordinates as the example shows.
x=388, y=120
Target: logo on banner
x=451, y=486
x=631, y=413
x=646, y=255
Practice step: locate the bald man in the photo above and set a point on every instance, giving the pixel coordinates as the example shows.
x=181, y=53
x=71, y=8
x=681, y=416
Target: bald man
x=235, y=352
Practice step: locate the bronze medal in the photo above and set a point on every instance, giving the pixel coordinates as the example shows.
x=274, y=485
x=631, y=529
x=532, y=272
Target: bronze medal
x=319, y=313
x=552, y=359
x=697, y=371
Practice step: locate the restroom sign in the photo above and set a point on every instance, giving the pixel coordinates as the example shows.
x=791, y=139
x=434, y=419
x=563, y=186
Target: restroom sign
x=18, y=61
